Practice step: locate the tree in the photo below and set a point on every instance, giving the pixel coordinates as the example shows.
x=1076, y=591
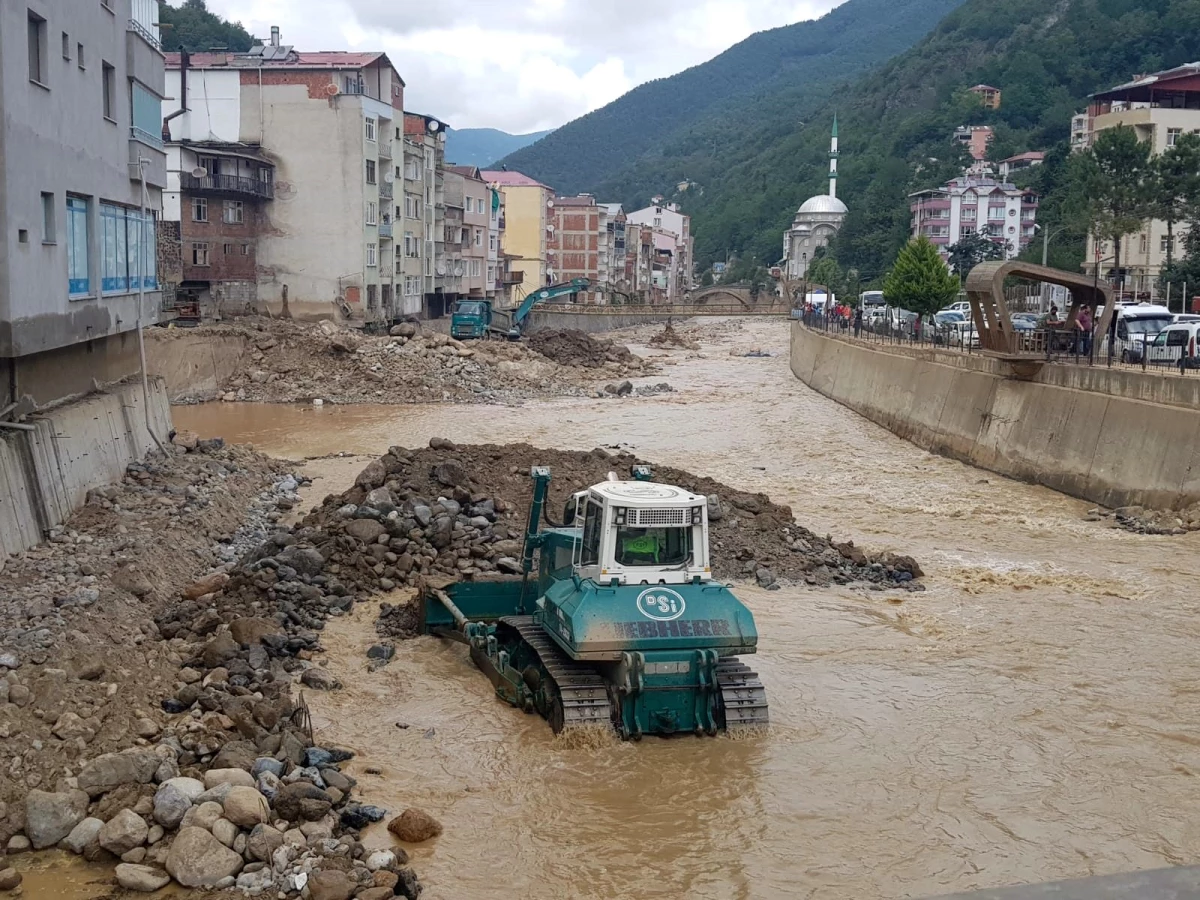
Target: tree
x=192, y=27
x=1176, y=186
x=826, y=271
x=1118, y=173
x=919, y=281
x=973, y=249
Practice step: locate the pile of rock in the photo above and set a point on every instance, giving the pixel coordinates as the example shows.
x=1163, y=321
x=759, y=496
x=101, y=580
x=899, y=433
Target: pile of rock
x=1141, y=520
x=577, y=349
x=626, y=389
x=669, y=338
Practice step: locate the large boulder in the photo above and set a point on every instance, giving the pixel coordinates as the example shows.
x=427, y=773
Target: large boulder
x=252, y=630
x=365, y=530
x=414, y=826
x=235, y=755
x=246, y=807
x=264, y=840
x=145, y=879
x=219, y=650
x=302, y=800
x=174, y=798
x=305, y=560
x=236, y=777
x=209, y=584
x=50, y=817
x=373, y=476
x=111, y=770
x=82, y=835
x=123, y=832
x=197, y=859
x=330, y=884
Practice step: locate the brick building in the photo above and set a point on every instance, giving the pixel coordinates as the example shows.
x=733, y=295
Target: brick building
x=573, y=243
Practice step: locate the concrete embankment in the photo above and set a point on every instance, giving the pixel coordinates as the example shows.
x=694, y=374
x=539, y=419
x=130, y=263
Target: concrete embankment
x=195, y=365
x=47, y=471
x=1113, y=437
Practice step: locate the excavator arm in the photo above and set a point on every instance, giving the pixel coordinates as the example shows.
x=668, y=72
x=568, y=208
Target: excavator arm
x=541, y=295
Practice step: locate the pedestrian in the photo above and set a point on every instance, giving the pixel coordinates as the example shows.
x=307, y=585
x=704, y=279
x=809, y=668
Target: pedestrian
x=858, y=321
x=1084, y=322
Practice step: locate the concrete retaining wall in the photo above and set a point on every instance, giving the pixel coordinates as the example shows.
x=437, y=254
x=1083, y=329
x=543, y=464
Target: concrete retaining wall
x=194, y=365
x=544, y=318
x=1114, y=437
x=45, y=474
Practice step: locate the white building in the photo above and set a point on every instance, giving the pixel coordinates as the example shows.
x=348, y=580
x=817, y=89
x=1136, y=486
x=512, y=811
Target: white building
x=967, y=205
x=666, y=217
x=817, y=220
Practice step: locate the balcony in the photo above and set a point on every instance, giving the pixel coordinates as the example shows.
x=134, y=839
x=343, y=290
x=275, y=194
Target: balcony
x=385, y=230
x=385, y=149
x=228, y=184
x=385, y=190
x=144, y=22
x=516, y=277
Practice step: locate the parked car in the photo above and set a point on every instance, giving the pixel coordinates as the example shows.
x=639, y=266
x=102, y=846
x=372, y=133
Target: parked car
x=1025, y=321
x=1137, y=325
x=1175, y=345
x=962, y=306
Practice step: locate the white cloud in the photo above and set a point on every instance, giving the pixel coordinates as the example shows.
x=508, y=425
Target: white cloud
x=521, y=65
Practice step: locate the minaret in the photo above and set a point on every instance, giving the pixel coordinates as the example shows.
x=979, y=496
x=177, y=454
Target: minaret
x=833, y=158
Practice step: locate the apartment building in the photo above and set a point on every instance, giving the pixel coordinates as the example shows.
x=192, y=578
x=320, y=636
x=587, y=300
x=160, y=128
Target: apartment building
x=612, y=247
x=1160, y=107
x=988, y=96
x=573, y=243
x=528, y=205
x=497, y=270
x=976, y=139
x=82, y=178
x=969, y=205
x=424, y=183
x=328, y=121
x=676, y=277
x=469, y=199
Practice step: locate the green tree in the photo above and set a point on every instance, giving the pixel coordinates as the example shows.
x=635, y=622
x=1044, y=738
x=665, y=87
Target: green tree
x=1118, y=173
x=192, y=27
x=1176, y=186
x=971, y=250
x=919, y=281
x=826, y=271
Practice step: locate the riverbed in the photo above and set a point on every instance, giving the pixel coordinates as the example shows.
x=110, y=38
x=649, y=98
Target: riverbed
x=1029, y=717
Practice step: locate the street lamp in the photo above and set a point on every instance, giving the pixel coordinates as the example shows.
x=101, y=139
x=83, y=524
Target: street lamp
x=804, y=266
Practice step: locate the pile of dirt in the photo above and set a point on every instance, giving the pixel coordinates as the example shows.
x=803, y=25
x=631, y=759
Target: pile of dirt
x=289, y=362
x=577, y=349
x=670, y=339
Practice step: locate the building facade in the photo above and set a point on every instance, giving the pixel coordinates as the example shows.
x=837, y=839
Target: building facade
x=81, y=96
x=817, y=220
x=328, y=123
x=988, y=96
x=573, y=243
x=1159, y=107
x=967, y=205
x=527, y=207
x=676, y=277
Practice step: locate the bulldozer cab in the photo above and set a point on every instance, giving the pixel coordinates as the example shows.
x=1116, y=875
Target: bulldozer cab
x=640, y=532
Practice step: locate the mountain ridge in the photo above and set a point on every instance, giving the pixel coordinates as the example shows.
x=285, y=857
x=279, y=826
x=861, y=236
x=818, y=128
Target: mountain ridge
x=484, y=146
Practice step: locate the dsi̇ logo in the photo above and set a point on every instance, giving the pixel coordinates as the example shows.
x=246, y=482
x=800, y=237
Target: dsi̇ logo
x=661, y=604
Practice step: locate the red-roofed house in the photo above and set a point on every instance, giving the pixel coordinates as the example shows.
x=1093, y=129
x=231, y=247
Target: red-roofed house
x=1021, y=161
x=989, y=96
x=306, y=143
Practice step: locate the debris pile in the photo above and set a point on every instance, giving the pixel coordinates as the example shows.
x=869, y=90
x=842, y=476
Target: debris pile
x=577, y=349
x=289, y=362
x=1141, y=520
x=670, y=339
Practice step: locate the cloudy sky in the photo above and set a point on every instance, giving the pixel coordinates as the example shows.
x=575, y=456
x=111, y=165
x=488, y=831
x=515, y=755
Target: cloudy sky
x=521, y=65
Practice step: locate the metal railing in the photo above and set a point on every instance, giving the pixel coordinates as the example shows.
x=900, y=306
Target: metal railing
x=385, y=149
x=145, y=137
x=229, y=184
x=1053, y=343
x=385, y=229
x=385, y=190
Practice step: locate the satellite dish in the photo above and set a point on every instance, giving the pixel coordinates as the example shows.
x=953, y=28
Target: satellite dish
x=550, y=204
x=434, y=125
x=199, y=172
x=458, y=270
x=389, y=177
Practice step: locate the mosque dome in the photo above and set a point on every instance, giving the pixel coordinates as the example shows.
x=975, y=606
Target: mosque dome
x=823, y=204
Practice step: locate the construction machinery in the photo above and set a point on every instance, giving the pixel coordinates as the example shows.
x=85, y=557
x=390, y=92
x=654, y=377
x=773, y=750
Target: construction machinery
x=618, y=625
x=474, y=317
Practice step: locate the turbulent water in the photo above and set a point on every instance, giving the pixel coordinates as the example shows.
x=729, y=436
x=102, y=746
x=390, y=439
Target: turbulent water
x=1032, y=716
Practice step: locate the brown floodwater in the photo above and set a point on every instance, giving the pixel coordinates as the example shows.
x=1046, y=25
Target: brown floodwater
x=1031, y=716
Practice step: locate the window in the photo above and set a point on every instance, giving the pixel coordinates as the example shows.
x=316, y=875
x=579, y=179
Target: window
x=1173, y=135
x=234, y=212
x=147, y=115
x=199, y=209
x=369, y=128
x=1144, y=243
x=372, y=212
x=245, y=249
x=476, y=268
x=372, y=291
x=492, y=242
x=965, y=230
x=370, y=171
x=37, y=49
x=227, y=249
x=49, y=232
x=66, y=46
x=657, y=222
x=653, y=546
x=967, y=215
x=108, y=83
x=478, y=237
x=1166, y=243
x=78, y=279
x=412, y=247
x=412, y=285
x=592, y=522
x=79, y=56
x=372, y=255
x=491, y=274
x=1177, y=337
x=127, y=249
x=199, y=253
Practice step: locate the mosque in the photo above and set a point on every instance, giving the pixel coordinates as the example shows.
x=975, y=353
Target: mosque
x=817, y=220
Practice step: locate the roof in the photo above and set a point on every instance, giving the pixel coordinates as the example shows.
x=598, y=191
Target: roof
x=984, y=87
x=225, y=148
x=1030, y=155
x=582, y=200
x=1165, y=79
x=321, y=59
x=471, y=172
x=510, y=179
x=823, y=204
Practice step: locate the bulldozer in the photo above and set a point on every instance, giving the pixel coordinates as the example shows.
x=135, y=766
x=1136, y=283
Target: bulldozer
x=614, y=621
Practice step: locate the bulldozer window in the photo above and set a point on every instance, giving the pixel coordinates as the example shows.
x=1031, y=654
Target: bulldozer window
x=653, y=546
x=592, y=526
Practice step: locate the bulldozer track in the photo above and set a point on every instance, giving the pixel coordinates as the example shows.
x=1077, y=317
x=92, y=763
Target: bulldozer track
x=743, y=697
x=583, y=693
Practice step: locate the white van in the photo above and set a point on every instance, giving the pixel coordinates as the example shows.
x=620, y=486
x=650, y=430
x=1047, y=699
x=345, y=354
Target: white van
x=1175, y=345
x=1137, y=325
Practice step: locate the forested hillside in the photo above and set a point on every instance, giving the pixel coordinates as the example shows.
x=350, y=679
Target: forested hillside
x=896, y=123
x=759, y=90
x=192, y=27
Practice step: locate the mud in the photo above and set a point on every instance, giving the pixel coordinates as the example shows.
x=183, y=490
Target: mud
x=1026, y=718
x=569, y=347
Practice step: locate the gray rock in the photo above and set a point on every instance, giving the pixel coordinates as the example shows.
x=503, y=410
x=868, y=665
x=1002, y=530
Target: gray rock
x=225, y=832
x=82, y=835
x=246, y=807
x=267, y=764
x=365, y=530
x=264, y=840
x=319, y=679
x=10, y=879
x=202, y=815
x=123, y=832
x=304, y=560
x=174, y=798
x=112, y=770
x=50, y=817
x=239, y=777
x=197, y=859
x=145, y=879
x=9, y=660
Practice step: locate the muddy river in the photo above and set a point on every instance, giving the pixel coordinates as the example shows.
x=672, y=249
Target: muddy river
x=1030, y=717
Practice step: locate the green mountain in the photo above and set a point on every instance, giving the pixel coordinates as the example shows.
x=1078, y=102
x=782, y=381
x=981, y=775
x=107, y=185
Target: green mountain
x=896, y=123
x=192, y=27
x=681, y=127
x=483, y=146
